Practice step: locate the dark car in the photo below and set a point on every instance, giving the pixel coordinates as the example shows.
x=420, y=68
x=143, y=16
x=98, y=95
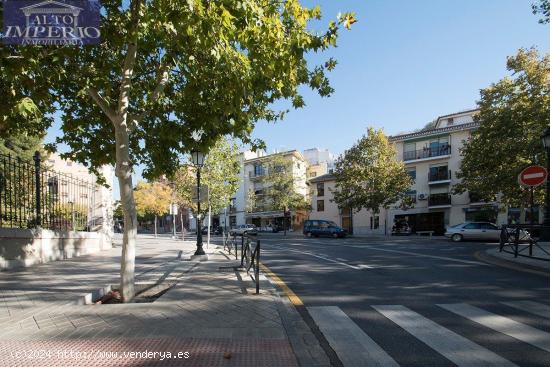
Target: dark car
x=318, y=228
x=401, y=228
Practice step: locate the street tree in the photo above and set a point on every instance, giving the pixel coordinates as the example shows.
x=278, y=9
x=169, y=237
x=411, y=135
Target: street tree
x=514, y=113
x=152, y=198
x=280, y=187
x=172, y=76
x=369, y=176
x=220, y=174
x=21, y=145
x=542, y=7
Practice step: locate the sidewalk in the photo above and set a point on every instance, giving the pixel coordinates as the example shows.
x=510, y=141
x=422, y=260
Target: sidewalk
x=209, y=318
x=508, y=259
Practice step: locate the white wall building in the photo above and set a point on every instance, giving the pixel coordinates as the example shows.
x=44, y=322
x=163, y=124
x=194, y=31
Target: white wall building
x=323, y=207
x=250, y=174
x=432, y=158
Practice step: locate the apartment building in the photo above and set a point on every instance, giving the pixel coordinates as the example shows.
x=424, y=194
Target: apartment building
x=323, y=207
x=253, y=168
x=432, y=158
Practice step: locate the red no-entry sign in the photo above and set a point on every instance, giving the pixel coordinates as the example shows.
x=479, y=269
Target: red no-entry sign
x=533, y=176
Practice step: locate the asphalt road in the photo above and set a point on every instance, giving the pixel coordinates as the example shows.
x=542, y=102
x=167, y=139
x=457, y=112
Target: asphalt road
x=415, y=302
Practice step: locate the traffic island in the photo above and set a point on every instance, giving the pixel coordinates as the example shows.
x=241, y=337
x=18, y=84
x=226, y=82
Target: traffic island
x=539, y=263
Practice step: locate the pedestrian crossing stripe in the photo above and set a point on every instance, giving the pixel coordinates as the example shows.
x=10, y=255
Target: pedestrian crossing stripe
x=355, y=348
x=504, y=325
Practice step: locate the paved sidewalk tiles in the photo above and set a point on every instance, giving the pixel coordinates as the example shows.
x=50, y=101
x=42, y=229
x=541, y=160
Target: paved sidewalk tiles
x=205, y=313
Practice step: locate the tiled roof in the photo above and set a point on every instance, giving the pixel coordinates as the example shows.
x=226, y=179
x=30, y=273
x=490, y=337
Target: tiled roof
x=426, y=133
x=325, y=177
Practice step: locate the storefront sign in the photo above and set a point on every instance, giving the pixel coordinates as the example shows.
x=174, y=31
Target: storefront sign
x=32, y=22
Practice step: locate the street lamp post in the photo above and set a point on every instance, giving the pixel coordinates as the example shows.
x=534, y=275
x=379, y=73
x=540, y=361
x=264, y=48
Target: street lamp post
x=545, y=233
x=198, y=161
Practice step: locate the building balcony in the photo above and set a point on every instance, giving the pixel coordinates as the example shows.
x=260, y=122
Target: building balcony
x=441, y=177
x=427, y=153
x=254, y=176
x=439, y=200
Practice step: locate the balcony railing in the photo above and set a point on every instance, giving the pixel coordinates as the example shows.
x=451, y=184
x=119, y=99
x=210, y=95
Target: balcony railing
x=439, y=199
x=439, y=176
x=427, y=153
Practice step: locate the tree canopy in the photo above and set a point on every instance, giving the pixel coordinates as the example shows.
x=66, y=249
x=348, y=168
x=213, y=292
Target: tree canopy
x=514, y=113
x=152, y=198
x=369, y=176
x=169, y=77
x=221, y=173
x=542, y=7
x=279, y=185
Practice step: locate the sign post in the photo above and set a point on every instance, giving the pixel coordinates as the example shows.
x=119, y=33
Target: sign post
x=532, y=177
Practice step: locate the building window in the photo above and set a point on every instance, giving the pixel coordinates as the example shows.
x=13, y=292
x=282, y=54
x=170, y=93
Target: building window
x=320, y=189
x=320, y=205
x=259, y=170
x=514, y=215
x=411, y=194
x=412, y=173
x=313, y=174
x=232, y=221
x=439, y=173
x=535, y=215
x=450, y=121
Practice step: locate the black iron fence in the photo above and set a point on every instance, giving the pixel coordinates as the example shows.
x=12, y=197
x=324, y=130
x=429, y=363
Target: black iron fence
x=439, y=199
x=250, y=253
x=427, y=152
x=521, y=240
x=32, y=195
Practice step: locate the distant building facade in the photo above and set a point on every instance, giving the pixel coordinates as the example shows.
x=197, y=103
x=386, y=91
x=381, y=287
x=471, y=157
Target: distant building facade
x=252, y=170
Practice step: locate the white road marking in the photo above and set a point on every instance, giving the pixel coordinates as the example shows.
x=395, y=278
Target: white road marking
x=534, y=308
x=502, y=324
x=416, y=254
x=456, y=348
x=352, y=345
x=356, y=267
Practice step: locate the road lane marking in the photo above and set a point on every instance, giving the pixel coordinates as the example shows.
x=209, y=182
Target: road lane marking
x=534, y=308
x=294, y=299
x=352, y=345
x=504, y=325
x=456, y=348
x=356, y=267
x=416, y=254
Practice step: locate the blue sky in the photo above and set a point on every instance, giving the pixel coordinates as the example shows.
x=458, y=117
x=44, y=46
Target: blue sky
x=403, y=64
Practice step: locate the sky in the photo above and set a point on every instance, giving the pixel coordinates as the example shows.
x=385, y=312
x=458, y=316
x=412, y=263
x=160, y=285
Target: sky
x=403, y=64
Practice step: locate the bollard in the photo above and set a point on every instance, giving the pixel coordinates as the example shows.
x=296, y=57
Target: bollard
x=516, y=242
x=257, y=270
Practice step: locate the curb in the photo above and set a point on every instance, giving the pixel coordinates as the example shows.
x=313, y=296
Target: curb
x=526, y=268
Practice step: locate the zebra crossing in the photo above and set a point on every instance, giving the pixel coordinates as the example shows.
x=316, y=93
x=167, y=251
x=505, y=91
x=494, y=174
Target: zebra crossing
x=356, y=348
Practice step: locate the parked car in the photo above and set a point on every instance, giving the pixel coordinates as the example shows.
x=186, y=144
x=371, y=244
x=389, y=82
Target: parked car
x=401, y=228
x=318, y=228
x=244, y=229
x=483, y=231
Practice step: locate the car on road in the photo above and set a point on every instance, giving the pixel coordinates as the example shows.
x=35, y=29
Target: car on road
x=481, y=231
x=401, y=228
x=318, y=228
x=244, y=229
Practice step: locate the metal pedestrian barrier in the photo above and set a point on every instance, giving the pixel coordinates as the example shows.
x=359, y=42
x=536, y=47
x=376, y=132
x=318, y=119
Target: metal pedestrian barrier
x=516, y=239
x=249, y=253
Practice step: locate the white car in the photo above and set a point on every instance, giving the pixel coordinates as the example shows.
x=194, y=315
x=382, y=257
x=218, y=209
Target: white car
x=244, y=229
x=481, y=231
